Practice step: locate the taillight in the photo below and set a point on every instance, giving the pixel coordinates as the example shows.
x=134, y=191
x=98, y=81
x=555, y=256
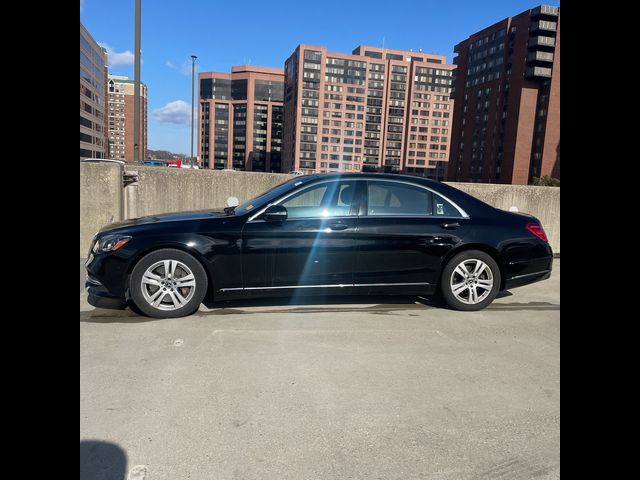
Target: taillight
x=538, y=231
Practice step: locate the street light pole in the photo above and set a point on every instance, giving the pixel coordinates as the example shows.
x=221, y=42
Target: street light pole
x=136, y=86
x=193, y=71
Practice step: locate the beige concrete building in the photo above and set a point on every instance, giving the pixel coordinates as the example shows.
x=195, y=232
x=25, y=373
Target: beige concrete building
x=93, y=95
x=120, y=111
x=376, y=109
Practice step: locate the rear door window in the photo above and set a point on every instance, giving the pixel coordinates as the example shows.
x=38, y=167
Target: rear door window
x=444, y=208
x=397, y=199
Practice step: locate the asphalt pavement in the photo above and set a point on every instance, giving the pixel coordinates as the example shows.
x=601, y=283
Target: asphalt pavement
x=331, y=388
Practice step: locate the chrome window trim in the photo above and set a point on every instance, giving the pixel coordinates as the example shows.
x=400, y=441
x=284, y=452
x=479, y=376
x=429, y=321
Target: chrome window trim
x=302, y=189
x=328, y=219
x=349, y=217
x=337, y=285
x=367, y=179
x=439, y=217
x=405, y=182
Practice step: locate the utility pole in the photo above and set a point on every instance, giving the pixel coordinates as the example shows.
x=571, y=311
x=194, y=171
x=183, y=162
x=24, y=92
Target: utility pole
x=193, y=71
x=136, y=86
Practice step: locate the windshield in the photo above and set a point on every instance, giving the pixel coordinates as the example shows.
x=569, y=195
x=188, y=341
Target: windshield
x=268, y=196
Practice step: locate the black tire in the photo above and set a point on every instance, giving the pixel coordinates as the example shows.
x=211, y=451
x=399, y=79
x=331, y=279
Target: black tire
x=136, y=287
x=469, y=256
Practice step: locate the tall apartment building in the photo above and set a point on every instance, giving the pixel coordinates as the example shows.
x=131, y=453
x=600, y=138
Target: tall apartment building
x=241, y=116
x=120, y=112
x=506, y=122
x=376, y=109
x=93, y=94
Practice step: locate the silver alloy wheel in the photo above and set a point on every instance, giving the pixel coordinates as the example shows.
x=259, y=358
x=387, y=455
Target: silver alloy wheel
x=471, y=281
x=168, y=285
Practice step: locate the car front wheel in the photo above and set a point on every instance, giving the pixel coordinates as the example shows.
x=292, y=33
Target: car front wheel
x=470, y=281
x=168, y=283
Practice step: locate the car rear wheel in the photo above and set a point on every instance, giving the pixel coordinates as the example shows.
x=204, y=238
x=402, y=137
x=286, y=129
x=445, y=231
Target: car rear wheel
x=470, y=281
x=168, y=283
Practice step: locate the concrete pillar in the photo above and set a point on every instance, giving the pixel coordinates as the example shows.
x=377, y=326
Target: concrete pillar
x=131, y=201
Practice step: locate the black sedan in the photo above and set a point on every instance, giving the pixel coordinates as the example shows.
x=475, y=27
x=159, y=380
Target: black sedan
x=322, y=234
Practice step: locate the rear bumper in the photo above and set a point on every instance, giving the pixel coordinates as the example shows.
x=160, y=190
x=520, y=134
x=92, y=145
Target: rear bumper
x=525, y=271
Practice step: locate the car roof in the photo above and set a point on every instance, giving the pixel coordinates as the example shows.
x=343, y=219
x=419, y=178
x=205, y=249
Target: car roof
x=366, y=175
x=469, y=203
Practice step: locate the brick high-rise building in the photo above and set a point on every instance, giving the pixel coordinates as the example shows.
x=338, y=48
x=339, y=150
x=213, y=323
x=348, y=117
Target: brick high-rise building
x=241, y=119
x=120, y=111
x=506, y=122
x=376, y=109
x=93, y=95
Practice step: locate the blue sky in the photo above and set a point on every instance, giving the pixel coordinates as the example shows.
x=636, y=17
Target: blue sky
x=226, y=33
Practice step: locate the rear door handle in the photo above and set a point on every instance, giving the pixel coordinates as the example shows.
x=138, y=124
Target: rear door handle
x=450, y=225
x=338, y=226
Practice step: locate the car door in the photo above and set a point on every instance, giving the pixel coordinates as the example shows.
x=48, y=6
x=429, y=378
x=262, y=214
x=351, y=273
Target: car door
x=404, y=231
x=313, y=247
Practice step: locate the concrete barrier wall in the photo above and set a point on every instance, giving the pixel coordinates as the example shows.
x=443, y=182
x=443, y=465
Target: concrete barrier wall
x=159, y=190
x=100, y=199
x=163, y=189
x=541, y=202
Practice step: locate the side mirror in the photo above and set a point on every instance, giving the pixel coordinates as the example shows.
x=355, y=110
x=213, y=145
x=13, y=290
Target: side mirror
x=233, y=202
x=275, y=213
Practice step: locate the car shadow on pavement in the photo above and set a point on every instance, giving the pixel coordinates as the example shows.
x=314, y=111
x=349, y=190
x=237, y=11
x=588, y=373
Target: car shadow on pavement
x=103, y=315
x=504, y=293
x=344, y=304
x=292, y=305
x=375, y=304
x=102, y=460
x=323, y=300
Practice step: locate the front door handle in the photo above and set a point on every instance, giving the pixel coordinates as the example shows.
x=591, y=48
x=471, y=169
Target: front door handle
x=338, y=226
x=450, y=225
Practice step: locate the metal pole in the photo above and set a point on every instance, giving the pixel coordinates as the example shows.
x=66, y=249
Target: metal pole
x=136, y=86
x=193, y=71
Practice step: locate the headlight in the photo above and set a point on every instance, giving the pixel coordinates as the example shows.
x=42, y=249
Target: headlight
x=110, y=243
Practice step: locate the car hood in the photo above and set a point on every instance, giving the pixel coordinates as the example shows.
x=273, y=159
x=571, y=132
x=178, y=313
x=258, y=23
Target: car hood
x=166, y=217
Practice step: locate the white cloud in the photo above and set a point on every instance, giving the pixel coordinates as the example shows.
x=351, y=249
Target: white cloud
x=118, y=59
x=184, y=69
x=178, y=112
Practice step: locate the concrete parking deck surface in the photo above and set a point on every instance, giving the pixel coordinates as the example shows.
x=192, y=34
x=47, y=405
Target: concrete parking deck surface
x=339, y=388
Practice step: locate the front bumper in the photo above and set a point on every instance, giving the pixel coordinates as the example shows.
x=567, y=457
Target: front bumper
x=104, y=279
x=100, y=297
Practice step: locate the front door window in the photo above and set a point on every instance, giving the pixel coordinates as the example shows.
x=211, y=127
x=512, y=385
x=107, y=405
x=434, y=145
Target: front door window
x=325, y=200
